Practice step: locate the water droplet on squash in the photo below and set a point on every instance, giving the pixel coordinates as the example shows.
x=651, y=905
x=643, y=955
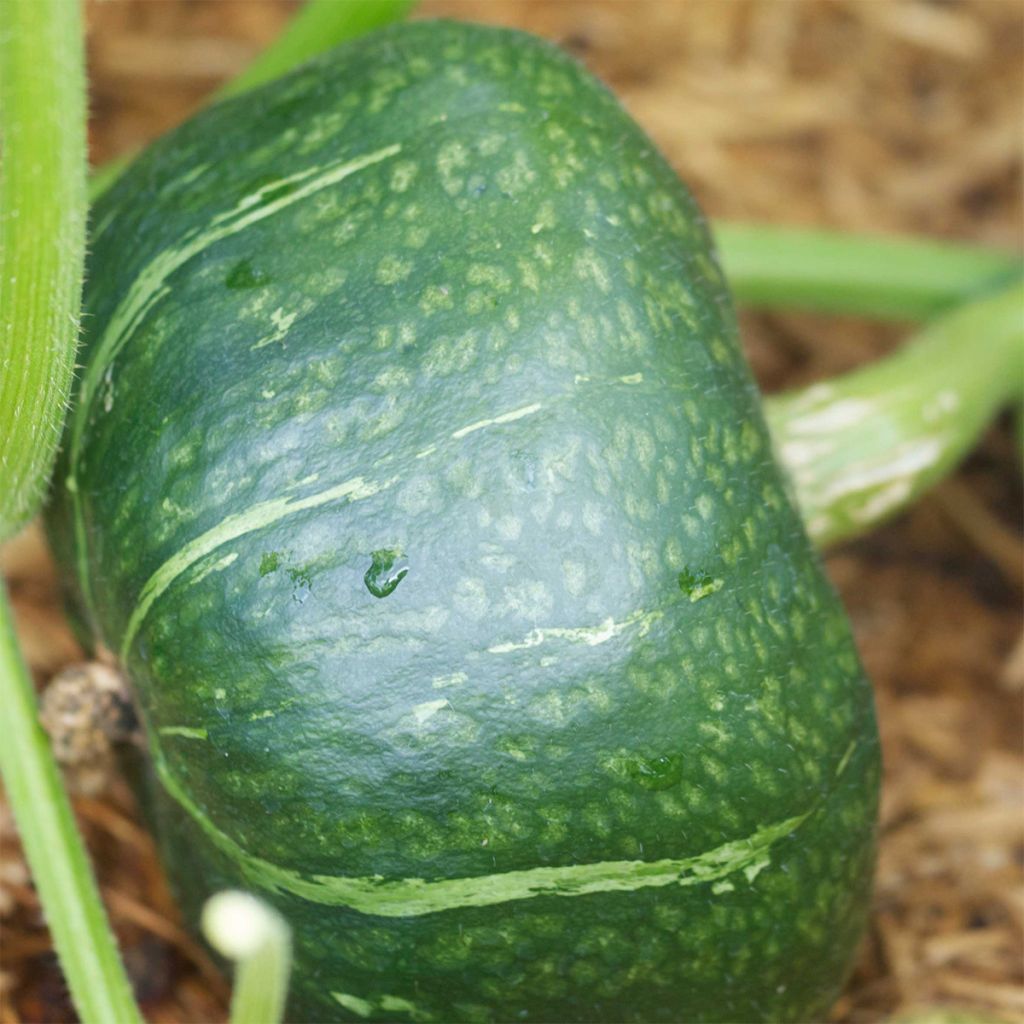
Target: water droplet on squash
x=382, y=578
x=656, y=772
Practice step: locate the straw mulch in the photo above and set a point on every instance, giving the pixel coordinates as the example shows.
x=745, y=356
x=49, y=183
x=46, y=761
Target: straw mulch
x=893, y=116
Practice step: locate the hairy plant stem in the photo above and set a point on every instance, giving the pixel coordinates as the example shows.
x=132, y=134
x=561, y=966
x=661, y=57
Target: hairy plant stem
x=42, y=251
x=42, y=240
x=864, y=445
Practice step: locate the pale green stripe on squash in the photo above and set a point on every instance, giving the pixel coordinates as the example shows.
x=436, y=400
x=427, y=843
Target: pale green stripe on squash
x=414, y=897
x=150, y=286
x=266, y=513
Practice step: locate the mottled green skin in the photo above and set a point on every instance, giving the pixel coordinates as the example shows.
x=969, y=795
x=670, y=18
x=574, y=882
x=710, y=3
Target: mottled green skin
x=539, y=689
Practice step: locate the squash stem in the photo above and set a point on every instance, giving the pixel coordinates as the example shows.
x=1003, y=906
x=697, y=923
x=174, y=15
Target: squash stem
x=54, y=850
x=893, y=277
x=256, y=937
x=863, y=446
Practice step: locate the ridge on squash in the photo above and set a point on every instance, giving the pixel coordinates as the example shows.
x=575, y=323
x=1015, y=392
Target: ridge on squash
x=417, y=475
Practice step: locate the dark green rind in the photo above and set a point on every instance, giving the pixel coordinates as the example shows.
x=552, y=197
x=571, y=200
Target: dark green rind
x=501, y=342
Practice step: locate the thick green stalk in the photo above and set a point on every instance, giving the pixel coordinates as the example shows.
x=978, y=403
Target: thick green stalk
x=256, y=937
x=42, y=249
x=864, y=445
x=862, y=275
x=318, y=26
x=60, y=866
x=42, y=239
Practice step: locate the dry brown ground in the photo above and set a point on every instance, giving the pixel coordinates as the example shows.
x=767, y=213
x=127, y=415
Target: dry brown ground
x=903, y=116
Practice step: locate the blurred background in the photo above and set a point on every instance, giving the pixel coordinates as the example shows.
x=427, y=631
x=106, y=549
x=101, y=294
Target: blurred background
x=872, y=115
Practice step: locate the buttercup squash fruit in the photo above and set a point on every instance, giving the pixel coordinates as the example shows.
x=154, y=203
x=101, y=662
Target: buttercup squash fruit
x=417, y=478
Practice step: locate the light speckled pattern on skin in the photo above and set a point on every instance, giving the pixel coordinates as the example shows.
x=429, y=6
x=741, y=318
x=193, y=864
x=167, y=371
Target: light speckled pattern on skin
x=507, y=325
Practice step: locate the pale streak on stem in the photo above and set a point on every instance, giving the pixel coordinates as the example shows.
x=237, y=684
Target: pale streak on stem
x=862, y=446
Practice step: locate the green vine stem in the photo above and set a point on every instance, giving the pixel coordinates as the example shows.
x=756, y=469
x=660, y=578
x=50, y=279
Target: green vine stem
x=256, y=937
x=320, y=25
x=42, y=250
x=864, y=445
x=42, y=239
x=836, y=272
x=60, y=866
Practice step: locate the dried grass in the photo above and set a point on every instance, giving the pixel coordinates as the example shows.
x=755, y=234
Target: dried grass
x=882, y=116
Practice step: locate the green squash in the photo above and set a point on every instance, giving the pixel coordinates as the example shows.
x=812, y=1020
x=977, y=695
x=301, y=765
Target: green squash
x=418, y=480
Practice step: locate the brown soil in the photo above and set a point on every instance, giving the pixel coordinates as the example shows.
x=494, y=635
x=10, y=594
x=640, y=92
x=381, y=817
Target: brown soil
x=881, y=116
